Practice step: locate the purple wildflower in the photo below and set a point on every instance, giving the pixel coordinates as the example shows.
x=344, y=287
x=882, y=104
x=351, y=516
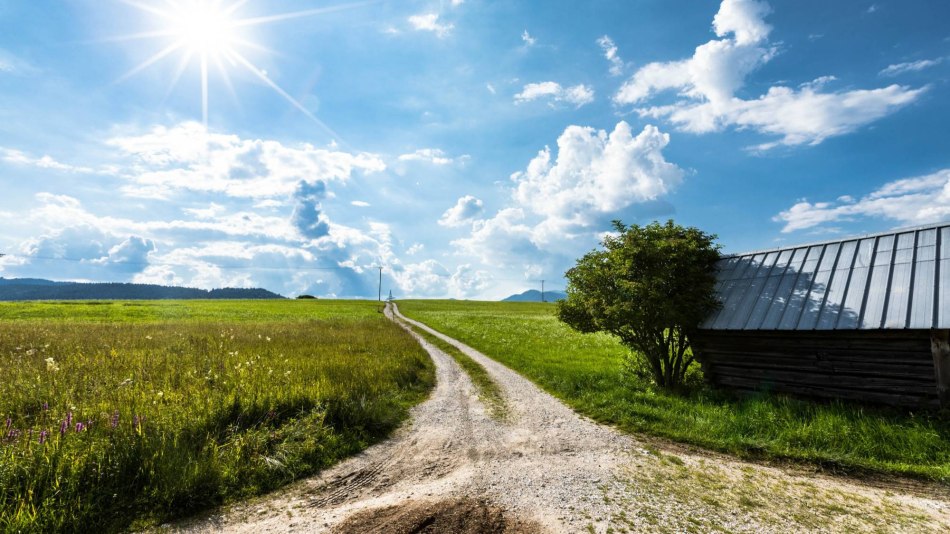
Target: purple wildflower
x=45, y=406
x=9, y=422
x=114, y=421
x=63, y=427
x=80, y=427
x=13, y=434
x=69, y=418
x=43, y=435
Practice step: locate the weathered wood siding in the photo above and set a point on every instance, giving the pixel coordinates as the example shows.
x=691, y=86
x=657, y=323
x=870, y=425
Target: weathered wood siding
x=886, y=366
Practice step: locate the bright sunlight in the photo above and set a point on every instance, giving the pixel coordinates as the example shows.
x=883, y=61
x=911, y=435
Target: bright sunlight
x=204, y=28
x=208, y=31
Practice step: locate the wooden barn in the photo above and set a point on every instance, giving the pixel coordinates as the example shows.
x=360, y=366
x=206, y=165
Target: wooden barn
x=865, y=318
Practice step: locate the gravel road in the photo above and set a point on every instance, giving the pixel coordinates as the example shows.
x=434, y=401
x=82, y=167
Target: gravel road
x=547, y=469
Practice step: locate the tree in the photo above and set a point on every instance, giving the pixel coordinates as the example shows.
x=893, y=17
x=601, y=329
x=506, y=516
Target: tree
x=650, y=286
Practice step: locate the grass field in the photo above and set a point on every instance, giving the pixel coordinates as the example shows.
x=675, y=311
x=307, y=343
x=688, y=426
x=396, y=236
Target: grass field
x=124, y=414
x=585, y=372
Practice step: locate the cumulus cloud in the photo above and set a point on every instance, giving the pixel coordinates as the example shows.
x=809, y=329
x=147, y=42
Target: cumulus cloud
x=430, y=22
x=596, y=174
x=82, y=252
x=563, y=200
x=464, y=211
x=188, y=157
x=578, y=95
x=611, y=53
x=308, y=215
x=708, y=81
x=912, y=66
x=917, y=200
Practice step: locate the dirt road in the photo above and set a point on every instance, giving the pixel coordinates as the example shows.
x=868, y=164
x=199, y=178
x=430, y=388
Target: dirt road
x=546, y=469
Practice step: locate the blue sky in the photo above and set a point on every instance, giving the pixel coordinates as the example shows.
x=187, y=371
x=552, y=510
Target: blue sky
x=469, y=147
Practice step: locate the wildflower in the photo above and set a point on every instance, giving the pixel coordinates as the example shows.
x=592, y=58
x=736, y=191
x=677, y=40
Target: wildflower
x=51, y=365
x=80, y=427
x=267, y=338
x=43, y=435
x=9, y=422
x=30, y=352
x=69, y=418
x=148, y=338
x=13, y=434
x=114, y=420
x=160, y=395
x=45, y=406
x=63, y=427
x=126, y=382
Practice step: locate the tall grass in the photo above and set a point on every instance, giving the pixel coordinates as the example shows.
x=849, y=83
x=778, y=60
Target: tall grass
x=586, y=371
x=127, y=422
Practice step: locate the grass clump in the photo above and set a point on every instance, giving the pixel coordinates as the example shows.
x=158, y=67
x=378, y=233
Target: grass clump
x=587, y=372
x=123, y=420
x=488, y=390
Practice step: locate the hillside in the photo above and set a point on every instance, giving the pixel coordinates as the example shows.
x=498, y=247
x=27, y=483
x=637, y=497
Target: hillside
x=533, y=295
x=35, y=289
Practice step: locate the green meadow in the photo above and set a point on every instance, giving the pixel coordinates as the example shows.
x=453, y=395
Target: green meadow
x=122, y=415
x=587, y=373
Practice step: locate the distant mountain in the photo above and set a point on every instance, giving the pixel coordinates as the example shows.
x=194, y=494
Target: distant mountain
x=533, y=295
x=35, y=289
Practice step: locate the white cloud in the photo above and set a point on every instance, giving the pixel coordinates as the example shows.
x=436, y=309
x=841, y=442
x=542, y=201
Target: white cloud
x=210, y=212
x=918, y=200
x=360, y=204
x=464, y=211
x=563, y=201
x=611, y=53
x=434, y=156
x=528, y=40
x=430, y=22
x=415, y=249
x=708, y=81
x=491, y=88
x=17, y=157
x=188, y=157
x=578, y=95
x=596, y=174
x=912, y=66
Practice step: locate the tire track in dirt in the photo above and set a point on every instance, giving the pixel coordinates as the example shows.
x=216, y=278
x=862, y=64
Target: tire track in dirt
x=549, y=467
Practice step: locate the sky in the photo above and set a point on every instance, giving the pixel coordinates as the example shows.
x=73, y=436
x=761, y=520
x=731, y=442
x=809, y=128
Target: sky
x=469, y=148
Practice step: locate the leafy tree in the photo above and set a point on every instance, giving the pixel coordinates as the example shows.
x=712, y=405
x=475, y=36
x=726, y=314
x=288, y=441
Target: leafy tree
x=650, y=286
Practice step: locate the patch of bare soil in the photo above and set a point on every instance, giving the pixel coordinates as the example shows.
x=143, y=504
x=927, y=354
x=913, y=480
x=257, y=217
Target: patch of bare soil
x=545, y=467
x=459, y=516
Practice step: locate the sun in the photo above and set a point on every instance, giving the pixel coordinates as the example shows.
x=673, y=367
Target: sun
x=203, y=28
x=208, y=32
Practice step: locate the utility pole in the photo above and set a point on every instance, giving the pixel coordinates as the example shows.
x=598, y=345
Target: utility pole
x=380, y=283
x=542, y=291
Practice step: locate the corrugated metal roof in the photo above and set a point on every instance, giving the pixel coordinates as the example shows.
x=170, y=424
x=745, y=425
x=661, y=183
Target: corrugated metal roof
x=893, y=280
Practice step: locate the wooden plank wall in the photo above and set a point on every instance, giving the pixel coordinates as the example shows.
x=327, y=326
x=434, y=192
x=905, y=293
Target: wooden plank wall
x=893, y=367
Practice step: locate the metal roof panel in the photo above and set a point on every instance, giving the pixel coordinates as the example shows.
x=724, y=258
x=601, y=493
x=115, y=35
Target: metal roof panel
x=891, y=280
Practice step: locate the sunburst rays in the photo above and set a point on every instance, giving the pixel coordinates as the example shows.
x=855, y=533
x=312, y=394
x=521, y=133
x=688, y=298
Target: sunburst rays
x=209, y=32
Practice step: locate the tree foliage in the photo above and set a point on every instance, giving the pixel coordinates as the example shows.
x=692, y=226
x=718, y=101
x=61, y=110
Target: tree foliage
x=650, y=286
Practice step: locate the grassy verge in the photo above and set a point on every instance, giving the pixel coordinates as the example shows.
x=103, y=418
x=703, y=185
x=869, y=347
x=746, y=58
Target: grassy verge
x=488, y=391
x=122, y=415
x=585, y=372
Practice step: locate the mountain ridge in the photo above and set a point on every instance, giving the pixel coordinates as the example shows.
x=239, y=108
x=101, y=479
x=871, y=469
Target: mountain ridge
x=533, y=295
x=16, y=289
